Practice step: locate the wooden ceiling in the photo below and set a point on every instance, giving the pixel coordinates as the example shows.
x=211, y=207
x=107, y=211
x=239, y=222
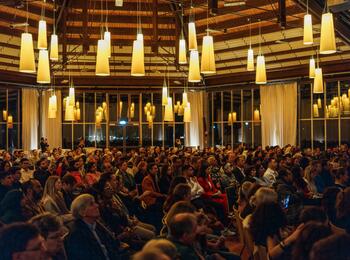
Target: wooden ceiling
x=79, y=27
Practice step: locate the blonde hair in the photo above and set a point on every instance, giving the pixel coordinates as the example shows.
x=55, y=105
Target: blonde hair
x=80, y=204
x=50, y=189
x=263, y=195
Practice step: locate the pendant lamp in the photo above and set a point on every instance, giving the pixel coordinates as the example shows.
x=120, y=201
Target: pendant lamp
x=10, y=122
x=308, y=34
x=43, y=75
x=315, y=110
x=256, y=116
x=319, y=103
x=107, y=38
x=312, y=66
x=102, y=62
x=27, y=58
x=208, y=57
x=182, y=51
x=260, y=77
x=52, y=107
x=164, y=94
x=71, y=95
x=184, y=99
x=318, y=81
x=54, y=48
x=193, y=73
x=137, y=61
x=327, y=45
x=234, y=117
x=168, y=113
x=69, y=112
x=4, y=115
x=187, y=113
x=42, y=35
x=250, y=60
x=192, y=37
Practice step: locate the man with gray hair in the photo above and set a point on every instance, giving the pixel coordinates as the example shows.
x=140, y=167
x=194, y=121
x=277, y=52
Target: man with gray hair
x=88, y=238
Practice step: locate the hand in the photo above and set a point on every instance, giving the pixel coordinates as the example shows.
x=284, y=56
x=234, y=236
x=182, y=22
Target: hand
x=294, y=236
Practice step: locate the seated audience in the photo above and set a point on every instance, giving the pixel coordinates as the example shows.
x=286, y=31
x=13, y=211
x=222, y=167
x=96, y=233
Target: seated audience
x=26, y=172
x=6, y=182
x=11, y=207
x=343, y=210
x=331, y=247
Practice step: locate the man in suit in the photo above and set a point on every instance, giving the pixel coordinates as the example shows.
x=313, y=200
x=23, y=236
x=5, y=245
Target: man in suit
x=88, y=238
x=238, y=171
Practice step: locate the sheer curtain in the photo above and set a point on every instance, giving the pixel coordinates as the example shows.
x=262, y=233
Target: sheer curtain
x=279, y=114
x=30, y=119
x=194, y=135
x=51, y=128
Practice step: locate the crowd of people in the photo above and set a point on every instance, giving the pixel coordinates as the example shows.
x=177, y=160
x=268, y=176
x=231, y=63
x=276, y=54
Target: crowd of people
x=156, y=203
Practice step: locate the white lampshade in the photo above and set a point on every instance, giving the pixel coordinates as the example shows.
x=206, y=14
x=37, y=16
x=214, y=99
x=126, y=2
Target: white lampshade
x=208, y=57
x=315, y=110
x=137, y=61
x=319, y=103
x=54, y=47
x=51, y=114
x=43, y=75
x=164, y=94
x=260, y=77
x=71, y=96
x=318, y=81
x=250, y=60
x=192, y=36
x=327, y=45
x=102, y=62
x=27, y=58
x=312, y=67
x=52, y=107
x=193, y=73
x=42, y=35
x=308, y=34
x=77, y=114
x=187, y=113
x=118, y=3
x=107, y=38
x=256, y=116
x=184, y=99
x=69, y=112
x=168, y=113
x=182, y=51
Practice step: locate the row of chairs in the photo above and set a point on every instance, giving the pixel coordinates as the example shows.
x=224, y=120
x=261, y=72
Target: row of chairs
x=255, y=252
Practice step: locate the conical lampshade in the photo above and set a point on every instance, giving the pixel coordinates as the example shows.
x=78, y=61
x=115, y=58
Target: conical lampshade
x=52, y=106
x=308, y=35
x=137, y=61
x=182, y=51
x=43, y=75
x=184, y=99
x=71, y=96
x=42, y=35
x=327, y=45
x=315, y=110
x=164, y=94
x=319, y=103
x=256, y=116
x=53, y=102
x=250, y=60
x=260, y=77
x=27, y=58
x=102, y=62
x=168, y=113
x=69, y=113
x=10, y=122
x=208, y=57
x=107, y=38
x=312, y=68
x=193, y=73
x=54, y=48
x=318, y=81
x=187, y=113
x=192, y=36
x=234, y=117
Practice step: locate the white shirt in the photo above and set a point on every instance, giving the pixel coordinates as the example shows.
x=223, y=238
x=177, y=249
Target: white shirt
x=26, y=175
x=196, y=188
x=270, y=176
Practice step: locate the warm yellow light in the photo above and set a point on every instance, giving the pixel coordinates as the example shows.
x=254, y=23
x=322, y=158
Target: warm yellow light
x=208, y=57
x=308, y=34
x=193, y=73
x=164, y=94
x=260, y=77
x=43, y=75
x=312, y=67
x=234, y=117
x=256, y=116
x=77, y=114
x=182, y=51
x=52, y=106
x=319, y=103
x=187, y=113
x=69, y=112
x=107, y=38
x=315, y=110
x=168, y=113
x=42, y=35
x=137, y=61
x=250, y=60
x=71, y=96
x=192, y=36
x=327, y=45
x=27, y=58
x=54, y=48
x=9, y=122
x=4, y=115
x=180, y=111
x=184, y=99
x=102, y=62
x=318, y=81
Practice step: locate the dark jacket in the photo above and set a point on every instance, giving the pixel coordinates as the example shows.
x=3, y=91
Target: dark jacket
x=10, y=207
x=42, y=176
x=81, y=243
x=184, y=251
x=238, y=174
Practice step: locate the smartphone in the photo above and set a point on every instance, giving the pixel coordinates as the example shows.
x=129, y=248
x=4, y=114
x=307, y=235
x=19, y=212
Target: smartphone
x=285, y=202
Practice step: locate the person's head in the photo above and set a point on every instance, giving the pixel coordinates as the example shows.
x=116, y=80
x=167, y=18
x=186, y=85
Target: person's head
x=309, y=235
x=332, y=247
x=21, y=241
x=263, y=195
x=313, y=214
x=52, y=230
x=123, y=166
x=343, y=203
x=43, y=164
x=240, y=161
x=52, y=186
x=33, y=190
x=154, y=254
x=286, y=175
x=183, y=227
x=182, y=192
x=179, y=207
x=266, y=221
x=341, y=175
x=187, y=171
x=163, y=245
x=243, y=192
x=24, y=163
x=84, y=207
x=15, y=173
x=6, y=178
x=175, y=181
x=142, y=166
x=91, y=167
x=272, y=164
x=68, y=182
x=112, y=180
x=152, y=169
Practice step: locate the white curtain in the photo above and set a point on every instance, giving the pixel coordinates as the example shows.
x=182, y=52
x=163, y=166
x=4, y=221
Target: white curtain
x=30, y=119
x=278, y=114
x=194, y=135
x=51, y=128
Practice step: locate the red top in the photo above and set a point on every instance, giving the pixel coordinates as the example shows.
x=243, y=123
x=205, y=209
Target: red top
x=208, y=186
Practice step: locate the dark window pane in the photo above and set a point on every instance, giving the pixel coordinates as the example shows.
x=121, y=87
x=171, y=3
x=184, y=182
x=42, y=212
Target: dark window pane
x=132, y=135
x=157, y=135
x=247, y=105
x=146, y=135
x=332, y=133
x=116, y=135
x=113, y=101
x=67, y=136
x=90, y=107
x=305, y=134
x=305, y=101
x=319, y=141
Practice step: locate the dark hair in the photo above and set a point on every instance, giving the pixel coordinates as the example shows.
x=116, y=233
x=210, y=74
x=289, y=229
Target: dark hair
x=69, y=179
x=164, y=170
x=14, y=169
x=311, y=233
x=2, y=165
x=24, y=160
x=266, y=221
x=333, y=247
x=328, y=202
x=4, y=174
x=339, y=172
x=202, y=170
x=179, y=193
x=89, y=166
x=297, y=177
x=176, y=180
x=312, y=213
x=343, y=203
x=15, y=237
x=182, y=224
x=46, y=223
